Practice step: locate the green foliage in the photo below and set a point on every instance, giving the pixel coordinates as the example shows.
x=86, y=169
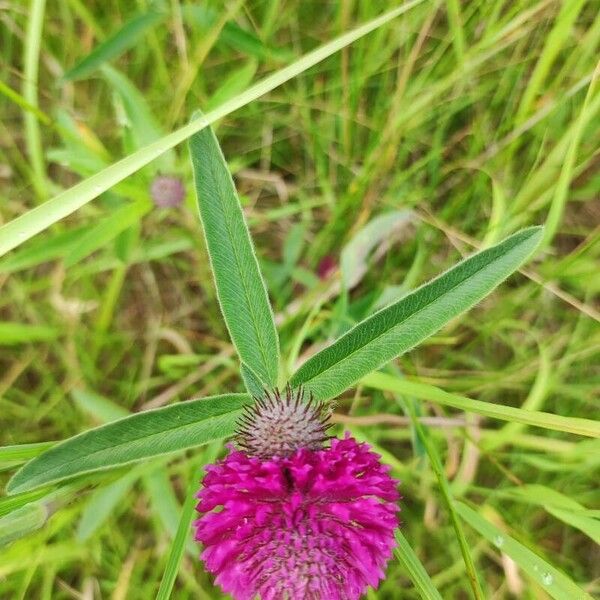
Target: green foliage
x=133, y=438
x=364, y=167
x=115, y=45
x=401, y=326
x=549, y=578
x=241, y=290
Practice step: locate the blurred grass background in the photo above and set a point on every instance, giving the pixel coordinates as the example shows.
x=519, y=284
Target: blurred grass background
x=462, y=120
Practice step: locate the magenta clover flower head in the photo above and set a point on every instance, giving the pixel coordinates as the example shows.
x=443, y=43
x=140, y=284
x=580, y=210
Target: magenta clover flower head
x=287, y=518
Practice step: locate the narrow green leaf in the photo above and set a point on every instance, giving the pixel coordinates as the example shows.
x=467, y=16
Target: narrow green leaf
x=22, y=333
x=233, y=84
x=558, y=505
x=27, y=225
x=22, y=521
x=22, y=452
x=43, y=249
x=179, y=543
x=449, y=501
x=136, y=437
x=589, y=526
x=163, y=501
x=356, y=254
x=232, y=34
x=9, y=504
x=102, y=505
x=555, y=583
x=106, y=230
x=415, y=569
x=97, y=406
x=240, y=286
x=142, y=123
x=401, y=326
x=31, y=58
x=29, y=512
x=115, y=45
x=422, y=391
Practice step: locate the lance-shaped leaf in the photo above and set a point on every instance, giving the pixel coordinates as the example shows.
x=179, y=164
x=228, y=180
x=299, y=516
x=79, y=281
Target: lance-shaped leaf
x=240, y=286
x=401, y=326
x=136, y=437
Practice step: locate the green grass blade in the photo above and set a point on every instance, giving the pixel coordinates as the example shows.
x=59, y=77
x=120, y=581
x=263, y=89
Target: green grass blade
x=415, y=569
x=29, y=224
x=554, y=583
x=449, y=501
x=102, y=505
x=22, y=452
x=422, y=391
x=12, y=334
x=179, y=543
x=589, y=526
x=43, y=249
x=136, y=437
x=29, y=512
x=115, y=45
x=561, y=192
x=102, y=409
x=33, y=138
x=555, y=40
x=559, y=505
x=163, y=501
x=19, y=100
x=403, y=325
x=107, y=229
x=240, y=287
x=139, y=117
x=232, y=34
x=22, y=521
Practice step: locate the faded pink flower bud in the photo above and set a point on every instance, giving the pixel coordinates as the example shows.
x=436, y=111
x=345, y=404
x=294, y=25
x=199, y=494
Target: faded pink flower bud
x=167, y=191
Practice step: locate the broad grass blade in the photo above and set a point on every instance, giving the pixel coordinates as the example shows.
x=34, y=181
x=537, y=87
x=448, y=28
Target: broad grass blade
x=136, y=437
x=240, y=287
x=401, y=326
x=115, y=45
x=554, y=583
x=32, y=222
x=422, y=391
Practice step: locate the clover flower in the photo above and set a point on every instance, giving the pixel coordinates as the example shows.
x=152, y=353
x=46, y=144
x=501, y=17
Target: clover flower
x=167, y=191
x=289, y=519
